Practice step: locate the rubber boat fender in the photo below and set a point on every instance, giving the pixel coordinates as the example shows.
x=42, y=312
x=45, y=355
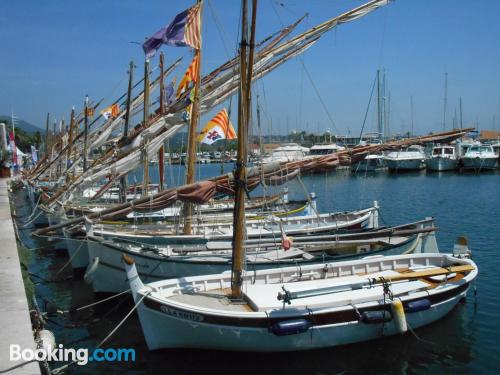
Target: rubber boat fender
x=375, y=317
x=291, y=327
x=398, y=313
x=47, y=339
x=419, y=305
x=90, y=270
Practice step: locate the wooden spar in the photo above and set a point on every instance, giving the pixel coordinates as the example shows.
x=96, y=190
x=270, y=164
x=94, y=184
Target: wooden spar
x=162, y=110
x=191, y=146
x=79, y=135
x=85, y=132
x=123, y=180
x=70, y=141
x=47, y=135
x=145, y=120
x=238, y=255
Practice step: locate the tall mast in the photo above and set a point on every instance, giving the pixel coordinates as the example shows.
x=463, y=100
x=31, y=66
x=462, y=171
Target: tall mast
x=162, y=109
x=445, y=101
x=379, y=109
x=244, y=101
x=191, y=146
x=411, y=113
x=145, y=120
x=70, y=140
x=389, y=115
x=123, y=179
x=461, y=123
x=47, y=135
x=85, y=132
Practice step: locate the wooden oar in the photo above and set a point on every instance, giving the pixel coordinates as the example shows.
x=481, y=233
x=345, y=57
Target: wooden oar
x=426, y=273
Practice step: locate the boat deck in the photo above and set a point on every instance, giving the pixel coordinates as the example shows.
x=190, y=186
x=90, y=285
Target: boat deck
x=215, y=299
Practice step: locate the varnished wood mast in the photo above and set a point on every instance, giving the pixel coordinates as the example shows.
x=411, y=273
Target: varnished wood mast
x=244, y=108
x=193, y=126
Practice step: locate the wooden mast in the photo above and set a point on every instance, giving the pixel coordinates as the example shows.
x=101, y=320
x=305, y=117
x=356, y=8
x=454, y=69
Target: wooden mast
x=145, y=120
x=244, y=101
x=47, y=136
x=191, y=146
x=162, y=109
x=123, y=179
x=70, y=142
x=85, y=132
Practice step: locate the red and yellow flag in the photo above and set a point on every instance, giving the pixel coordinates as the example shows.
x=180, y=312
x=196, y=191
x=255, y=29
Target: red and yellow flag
x=190, y=75
x=219, y=127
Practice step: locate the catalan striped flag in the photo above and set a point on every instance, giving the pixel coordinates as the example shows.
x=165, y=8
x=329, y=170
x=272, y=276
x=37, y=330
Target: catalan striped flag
x=190, y=75
x=219, y=127
x=184, y=30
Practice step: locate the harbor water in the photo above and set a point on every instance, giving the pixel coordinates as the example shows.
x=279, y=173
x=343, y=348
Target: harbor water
x=464, y=342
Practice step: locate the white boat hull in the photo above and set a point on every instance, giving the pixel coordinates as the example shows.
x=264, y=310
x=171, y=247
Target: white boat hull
x=169, y=318
x=442, y=164
x=110, y=277
x=162, y=330
x=404, y=164
x=77, y=251
x=478, y=163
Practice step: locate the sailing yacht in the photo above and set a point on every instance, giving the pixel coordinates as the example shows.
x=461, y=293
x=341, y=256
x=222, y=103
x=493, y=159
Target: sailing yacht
x=442, y=158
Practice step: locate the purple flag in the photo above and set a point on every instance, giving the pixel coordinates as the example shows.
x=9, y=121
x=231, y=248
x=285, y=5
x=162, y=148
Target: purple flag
x=172, y=35
x=168, y=94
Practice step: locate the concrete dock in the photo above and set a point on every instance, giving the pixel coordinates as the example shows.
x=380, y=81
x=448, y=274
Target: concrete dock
x=15, y=326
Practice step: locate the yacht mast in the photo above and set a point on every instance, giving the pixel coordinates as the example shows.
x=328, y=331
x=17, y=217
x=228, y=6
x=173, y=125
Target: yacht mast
x=445, y=99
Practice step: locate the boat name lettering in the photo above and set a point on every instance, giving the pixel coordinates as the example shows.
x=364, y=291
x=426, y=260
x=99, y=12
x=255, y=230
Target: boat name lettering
x=181, y=314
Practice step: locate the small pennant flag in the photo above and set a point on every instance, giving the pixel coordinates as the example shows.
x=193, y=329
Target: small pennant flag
x=183, y=31
x=111, y=111
x=217, y=128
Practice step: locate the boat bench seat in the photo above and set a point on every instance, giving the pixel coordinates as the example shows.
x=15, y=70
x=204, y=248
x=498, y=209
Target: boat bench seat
x=264, y=297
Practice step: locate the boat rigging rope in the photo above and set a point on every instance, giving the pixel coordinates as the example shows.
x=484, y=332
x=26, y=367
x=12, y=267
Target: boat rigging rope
x=64, y=367
x=309, y=77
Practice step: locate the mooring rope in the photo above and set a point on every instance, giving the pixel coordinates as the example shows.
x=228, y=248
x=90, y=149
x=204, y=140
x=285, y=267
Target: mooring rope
x=64, y=367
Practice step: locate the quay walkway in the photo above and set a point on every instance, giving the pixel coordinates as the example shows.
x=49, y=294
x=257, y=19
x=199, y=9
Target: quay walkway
x=15, y=324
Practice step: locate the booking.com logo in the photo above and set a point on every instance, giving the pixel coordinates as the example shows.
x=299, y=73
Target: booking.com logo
x=79, y=356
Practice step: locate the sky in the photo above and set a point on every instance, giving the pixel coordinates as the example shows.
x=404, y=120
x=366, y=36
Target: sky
x=54, y=52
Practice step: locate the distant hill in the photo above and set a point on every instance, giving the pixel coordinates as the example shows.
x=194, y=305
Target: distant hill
x=21, y=124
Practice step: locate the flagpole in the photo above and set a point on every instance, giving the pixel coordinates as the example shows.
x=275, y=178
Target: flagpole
x=191, y=151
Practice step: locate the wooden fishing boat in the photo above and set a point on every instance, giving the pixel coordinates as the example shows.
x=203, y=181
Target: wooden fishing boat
x=161, y=262
x=312, y=223
x=75, y=237
x=311, y=307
